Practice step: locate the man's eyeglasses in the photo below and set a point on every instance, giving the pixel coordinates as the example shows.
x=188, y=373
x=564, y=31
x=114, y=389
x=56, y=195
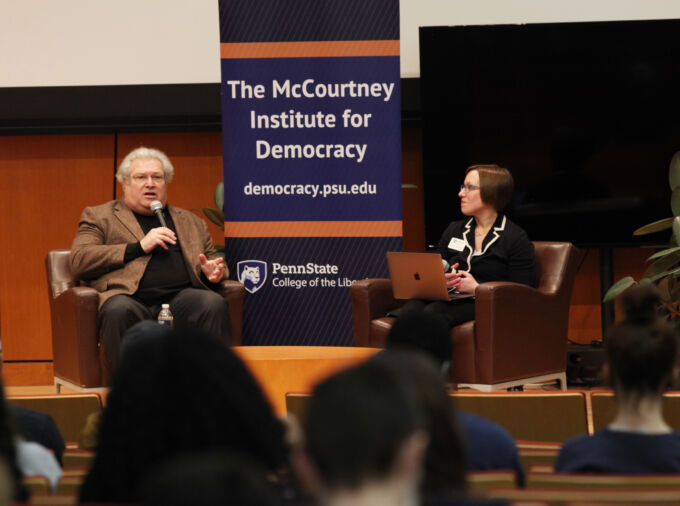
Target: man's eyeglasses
x=139, y=179
x=465, y=188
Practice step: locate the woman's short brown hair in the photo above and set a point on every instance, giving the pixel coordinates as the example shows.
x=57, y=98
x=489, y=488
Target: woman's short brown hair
x=496, y=184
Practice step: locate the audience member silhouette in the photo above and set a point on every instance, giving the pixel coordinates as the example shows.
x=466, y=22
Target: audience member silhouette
x=39, y=428
x=7, y=484
x=489, y=446
x=8, y=450
x=146, y=329
x=445, y=460
x=425, y=331
x=365, y=440
x=212, y=478
x=24, y=458
x=32, y=425
x=641, y=357
x=179, y=393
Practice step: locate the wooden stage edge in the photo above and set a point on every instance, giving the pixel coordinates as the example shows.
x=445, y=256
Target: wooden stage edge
x=278, y=369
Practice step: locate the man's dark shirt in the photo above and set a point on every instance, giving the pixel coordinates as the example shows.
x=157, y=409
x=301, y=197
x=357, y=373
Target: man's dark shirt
x=166, y=273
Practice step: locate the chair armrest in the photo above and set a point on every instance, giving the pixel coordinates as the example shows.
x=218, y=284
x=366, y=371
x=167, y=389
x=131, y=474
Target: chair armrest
x=75, y=335
x=371, y=298
x=234, y=292
x=519, y=330
x=495, y=289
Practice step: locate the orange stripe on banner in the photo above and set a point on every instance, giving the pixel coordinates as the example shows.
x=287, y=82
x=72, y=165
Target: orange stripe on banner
x=333, y=48
x=312, y=229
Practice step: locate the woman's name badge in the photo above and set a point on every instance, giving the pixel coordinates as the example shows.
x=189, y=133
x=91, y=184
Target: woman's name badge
x=456, y=244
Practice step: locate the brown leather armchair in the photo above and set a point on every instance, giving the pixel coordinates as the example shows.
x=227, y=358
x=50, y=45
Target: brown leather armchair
x=79, y=361
x=519, y=335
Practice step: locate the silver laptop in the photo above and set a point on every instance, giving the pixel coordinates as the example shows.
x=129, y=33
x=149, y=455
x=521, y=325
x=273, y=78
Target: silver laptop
x=419, y=276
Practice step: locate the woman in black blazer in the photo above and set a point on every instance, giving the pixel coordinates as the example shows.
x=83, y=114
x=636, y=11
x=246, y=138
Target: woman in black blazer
x=483, y=247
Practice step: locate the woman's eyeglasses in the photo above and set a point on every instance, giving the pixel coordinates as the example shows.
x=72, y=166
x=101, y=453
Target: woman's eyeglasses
x=466, y=188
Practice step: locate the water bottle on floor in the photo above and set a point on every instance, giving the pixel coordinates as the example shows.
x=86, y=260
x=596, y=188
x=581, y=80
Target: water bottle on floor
x=165, y=316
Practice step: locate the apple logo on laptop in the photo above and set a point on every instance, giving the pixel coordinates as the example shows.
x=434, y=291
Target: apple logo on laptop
x=417, y=276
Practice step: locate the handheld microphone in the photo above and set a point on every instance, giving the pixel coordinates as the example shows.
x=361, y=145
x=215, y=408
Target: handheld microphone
x=157, y=209
x=448, y=267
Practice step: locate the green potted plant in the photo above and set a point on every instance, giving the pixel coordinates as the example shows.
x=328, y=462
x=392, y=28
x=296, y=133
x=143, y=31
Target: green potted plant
x=664, y=268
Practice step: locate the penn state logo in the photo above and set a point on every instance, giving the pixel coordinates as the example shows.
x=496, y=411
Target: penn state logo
x=252, y=273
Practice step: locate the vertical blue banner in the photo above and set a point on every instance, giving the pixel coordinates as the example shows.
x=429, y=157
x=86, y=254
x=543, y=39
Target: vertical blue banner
x=312, y=159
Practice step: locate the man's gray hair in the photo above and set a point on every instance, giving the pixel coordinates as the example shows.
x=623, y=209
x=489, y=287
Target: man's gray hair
x=145, y=154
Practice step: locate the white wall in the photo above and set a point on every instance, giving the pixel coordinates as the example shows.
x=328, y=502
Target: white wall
x=103, y=42
x=95, y=42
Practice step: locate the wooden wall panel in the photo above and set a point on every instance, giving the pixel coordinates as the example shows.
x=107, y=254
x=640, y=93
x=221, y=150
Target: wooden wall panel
x=197, y=158
x=45, y=182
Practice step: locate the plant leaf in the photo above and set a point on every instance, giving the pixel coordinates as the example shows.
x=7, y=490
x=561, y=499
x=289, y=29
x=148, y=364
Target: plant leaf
x=676, y=229
x=675, y=202
x=219, y=196
x=663, y=253
x=674, y=171
x=665, y=289
x=618, y=288
x=663, y=264
x=655, y=226
x=651, y=279
x=217, y=217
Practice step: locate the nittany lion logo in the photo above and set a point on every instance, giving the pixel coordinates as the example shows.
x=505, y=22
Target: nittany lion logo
x=252, y=273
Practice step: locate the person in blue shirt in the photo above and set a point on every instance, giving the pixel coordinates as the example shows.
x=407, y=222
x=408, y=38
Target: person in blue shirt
x=641, y=355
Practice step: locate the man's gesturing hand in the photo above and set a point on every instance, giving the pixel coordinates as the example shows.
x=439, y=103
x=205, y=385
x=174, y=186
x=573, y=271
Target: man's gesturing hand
x=213, y=269
x=160, y=236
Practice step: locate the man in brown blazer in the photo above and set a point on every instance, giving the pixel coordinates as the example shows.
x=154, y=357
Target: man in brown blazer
x=136, y=264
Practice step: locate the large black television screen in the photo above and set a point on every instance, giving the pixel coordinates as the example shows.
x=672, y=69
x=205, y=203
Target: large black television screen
x=585, y=115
